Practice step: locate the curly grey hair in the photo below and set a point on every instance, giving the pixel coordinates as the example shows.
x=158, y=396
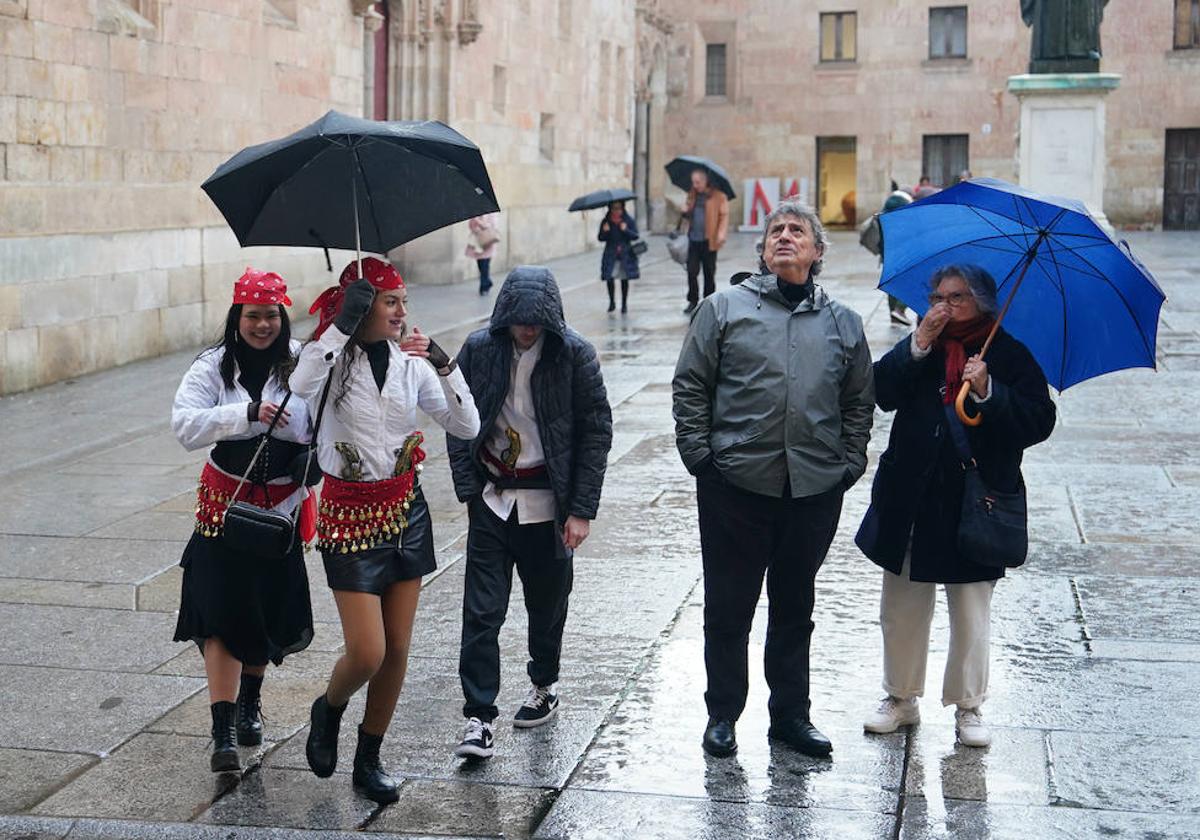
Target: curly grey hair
x=798, y=210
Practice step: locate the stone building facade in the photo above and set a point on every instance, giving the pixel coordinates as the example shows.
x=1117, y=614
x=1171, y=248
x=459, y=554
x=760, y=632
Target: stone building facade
x=112, y=112
x=846, y=95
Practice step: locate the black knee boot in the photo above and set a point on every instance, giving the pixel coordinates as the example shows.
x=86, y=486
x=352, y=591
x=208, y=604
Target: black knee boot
x=370, y=779
x=224, y=755
x=249, y=711
x=625, y=294
x=612, y=299
x=321, y=749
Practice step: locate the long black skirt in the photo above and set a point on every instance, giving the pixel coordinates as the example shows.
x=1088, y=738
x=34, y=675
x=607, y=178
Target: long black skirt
x=258, y=608
x=405, y=556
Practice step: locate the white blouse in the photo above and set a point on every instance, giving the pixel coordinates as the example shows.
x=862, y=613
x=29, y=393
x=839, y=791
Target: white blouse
x=372, y=424
x=206, y=412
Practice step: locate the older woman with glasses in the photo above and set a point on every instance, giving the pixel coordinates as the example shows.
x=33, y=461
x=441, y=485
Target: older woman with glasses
x=916, y=501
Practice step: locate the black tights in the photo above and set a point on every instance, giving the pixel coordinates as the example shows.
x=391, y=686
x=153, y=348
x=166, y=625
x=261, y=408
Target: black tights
x=612, y=291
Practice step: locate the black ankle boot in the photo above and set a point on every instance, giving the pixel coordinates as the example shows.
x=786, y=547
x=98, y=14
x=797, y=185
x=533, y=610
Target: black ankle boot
x=321, y=749
x=224, y=755
x=370, y=779
x=249, y=712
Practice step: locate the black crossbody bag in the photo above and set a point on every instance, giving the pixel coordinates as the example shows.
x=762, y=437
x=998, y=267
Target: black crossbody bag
x=265, y=531
x=994, y=527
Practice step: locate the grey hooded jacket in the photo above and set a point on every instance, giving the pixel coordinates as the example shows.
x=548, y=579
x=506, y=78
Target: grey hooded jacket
x=775, y=397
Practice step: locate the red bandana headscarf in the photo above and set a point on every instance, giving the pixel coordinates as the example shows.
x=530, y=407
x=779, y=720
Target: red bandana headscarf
x=958, y=340
x=260, y=287
x=382, y=275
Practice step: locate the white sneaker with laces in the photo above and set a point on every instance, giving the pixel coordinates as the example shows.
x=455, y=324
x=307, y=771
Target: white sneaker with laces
x=477, y=740
x=970, y=728
x=892, y=713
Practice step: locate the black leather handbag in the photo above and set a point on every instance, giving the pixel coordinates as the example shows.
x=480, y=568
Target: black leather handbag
x=639, y=247
x=251, y=529
x=994, y=527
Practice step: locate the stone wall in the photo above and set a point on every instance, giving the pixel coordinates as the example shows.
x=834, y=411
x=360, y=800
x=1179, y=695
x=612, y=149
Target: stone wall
x=781, y=98
x=112, y=113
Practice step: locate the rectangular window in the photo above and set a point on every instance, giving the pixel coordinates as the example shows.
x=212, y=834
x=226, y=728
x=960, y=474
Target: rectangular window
x=948, y=32
x=839, y=36
x=1187, y=24
x=605, y=109
x=944, y=157
x=499, y=88
x=714, y=70
x=619, y=98
x=546, y=138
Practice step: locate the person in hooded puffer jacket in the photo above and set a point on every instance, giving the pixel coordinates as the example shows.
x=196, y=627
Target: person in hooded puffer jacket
x=531, y=479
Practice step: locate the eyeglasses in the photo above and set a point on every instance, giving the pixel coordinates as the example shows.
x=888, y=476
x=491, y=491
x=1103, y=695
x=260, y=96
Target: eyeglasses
x=954, y=298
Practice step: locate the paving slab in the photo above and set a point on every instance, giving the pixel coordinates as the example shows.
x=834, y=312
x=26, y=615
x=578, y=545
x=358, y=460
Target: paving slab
x=456, y=809
x=970, y=820
x=29, y=776
x=81, y=637
x=272, y=797
x=1131, y=773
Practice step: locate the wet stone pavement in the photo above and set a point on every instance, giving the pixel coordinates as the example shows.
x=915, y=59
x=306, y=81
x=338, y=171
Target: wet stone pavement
x=1095, y=658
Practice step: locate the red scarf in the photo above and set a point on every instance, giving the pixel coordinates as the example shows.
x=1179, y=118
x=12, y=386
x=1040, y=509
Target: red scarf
x=958, y=340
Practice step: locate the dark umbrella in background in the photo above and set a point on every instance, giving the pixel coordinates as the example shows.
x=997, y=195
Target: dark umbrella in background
x=346, y=182
x=1080, y=301
x=680, y=171
x=601, y=198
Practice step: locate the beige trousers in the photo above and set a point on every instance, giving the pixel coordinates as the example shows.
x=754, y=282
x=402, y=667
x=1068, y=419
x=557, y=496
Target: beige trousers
x=906, y=613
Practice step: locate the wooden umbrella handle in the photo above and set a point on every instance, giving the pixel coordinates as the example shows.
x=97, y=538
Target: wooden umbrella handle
x=960, y=407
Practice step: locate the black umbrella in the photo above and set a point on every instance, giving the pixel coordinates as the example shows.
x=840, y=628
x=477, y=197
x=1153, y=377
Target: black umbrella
x=312, y=188
x=680, y=172
x=601, y=198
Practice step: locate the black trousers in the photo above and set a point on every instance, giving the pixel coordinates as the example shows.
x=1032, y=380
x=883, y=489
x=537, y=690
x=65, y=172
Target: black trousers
x=494, y=548
x=700, y=255
x=742, y=537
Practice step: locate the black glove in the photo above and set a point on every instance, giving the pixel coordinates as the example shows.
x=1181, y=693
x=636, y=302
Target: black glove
x=355, y=304
x=437, y=356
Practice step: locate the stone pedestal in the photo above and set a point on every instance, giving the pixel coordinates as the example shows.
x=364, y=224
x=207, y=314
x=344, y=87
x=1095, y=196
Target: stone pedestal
x=1061, y=149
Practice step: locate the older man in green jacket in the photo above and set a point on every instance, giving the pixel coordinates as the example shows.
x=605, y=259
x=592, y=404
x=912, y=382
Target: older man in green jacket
x=773, y=402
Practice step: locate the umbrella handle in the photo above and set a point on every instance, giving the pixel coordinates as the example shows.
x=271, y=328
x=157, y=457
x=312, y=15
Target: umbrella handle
x=960, y=407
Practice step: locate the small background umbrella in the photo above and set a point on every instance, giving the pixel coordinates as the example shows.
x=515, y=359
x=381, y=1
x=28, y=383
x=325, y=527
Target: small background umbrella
x=680, y=170
x=346, y=182
x=1081, y=302
x=601, y=198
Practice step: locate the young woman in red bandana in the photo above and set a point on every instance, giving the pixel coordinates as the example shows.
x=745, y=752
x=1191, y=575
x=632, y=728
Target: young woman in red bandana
x=243, y=610
x=374, y=529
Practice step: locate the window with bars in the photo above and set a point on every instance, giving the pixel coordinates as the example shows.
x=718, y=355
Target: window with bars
x=839, y=36
x=1187, y=24
x=714, y=70
x=948, y=32
x=944, y=157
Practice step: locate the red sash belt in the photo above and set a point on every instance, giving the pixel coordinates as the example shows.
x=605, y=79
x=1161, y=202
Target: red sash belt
x=359, y=515
x=215, y=494
x=506, y=471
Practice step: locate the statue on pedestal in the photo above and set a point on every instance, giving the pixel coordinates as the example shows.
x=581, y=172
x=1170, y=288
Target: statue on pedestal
x=1066, y=35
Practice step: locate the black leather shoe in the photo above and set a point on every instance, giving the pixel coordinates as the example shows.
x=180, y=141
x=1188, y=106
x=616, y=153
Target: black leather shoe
x=224, y=755
x=249, y=720
x=321, y=748
x=801, y=735
x=720, y=739
x=370, y=779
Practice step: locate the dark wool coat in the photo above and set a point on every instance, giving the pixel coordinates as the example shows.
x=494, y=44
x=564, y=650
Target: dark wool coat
x=918, y=486
x=570, y=402
x=617, y=246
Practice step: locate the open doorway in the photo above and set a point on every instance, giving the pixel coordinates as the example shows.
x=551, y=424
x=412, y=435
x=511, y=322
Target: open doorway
x=837, y=181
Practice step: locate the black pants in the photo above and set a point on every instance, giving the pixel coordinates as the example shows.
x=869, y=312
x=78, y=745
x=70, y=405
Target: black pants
x=742, y=536
x=700, y=255
x=494, y=548
x=485, y=273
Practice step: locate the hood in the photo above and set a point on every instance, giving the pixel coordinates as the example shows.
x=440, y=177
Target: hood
x=767, y=285
x=529, y=296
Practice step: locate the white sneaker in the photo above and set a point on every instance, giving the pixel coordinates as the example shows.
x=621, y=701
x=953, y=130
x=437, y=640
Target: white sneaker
x=477, y=740
x=891, y=715
x=970, y=728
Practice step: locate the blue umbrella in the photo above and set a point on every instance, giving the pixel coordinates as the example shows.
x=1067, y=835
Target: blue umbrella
x=1086, y=306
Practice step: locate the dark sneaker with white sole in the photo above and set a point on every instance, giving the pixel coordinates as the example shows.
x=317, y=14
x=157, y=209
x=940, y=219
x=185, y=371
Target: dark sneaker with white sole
x=477, y=740
x=539, y=707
